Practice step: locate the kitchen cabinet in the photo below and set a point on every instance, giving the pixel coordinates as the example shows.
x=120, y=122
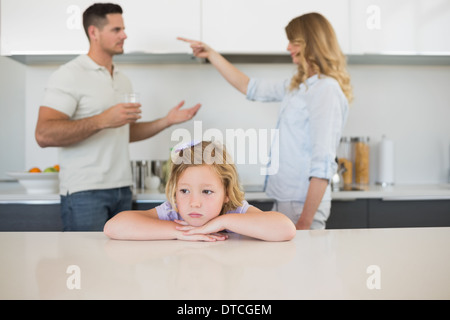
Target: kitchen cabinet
x=54, y=27
x=152, y=26
x=405, y=27
x=351, y=214
x=365, y=28
x=257, y=26
x=30, y=217
x=42, y=27
x=345, y=214
x=409, y=213
x=379, y=213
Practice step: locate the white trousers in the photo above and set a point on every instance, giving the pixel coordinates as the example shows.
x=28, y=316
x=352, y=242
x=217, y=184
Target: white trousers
x=293, y=209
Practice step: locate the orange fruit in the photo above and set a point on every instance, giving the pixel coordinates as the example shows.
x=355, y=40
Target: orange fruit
x=56, y=166
x=35, y=169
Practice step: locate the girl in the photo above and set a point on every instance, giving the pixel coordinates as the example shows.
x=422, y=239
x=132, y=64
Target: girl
x=314, y=109
x=204, y=198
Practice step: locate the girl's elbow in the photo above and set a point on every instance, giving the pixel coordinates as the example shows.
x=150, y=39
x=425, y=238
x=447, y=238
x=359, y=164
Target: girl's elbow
x=112, y=228
x=285, y=233
x=291, y=232
x=109, y=230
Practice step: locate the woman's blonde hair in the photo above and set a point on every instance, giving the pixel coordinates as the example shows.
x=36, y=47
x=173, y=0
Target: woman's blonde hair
x=319, y=49
x=206, y=153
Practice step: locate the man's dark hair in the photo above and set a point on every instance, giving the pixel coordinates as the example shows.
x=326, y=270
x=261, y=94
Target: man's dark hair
x=96, y=15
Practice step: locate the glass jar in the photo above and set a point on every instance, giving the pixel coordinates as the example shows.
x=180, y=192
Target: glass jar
x=345, y=162
x=361, y=160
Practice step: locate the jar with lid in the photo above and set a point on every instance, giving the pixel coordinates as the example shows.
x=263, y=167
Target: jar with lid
x=345, y=163
x=361, y=160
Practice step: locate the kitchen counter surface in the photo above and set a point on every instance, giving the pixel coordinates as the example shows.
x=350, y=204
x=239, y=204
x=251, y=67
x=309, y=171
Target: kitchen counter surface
x=406, y=263
x=11, y=192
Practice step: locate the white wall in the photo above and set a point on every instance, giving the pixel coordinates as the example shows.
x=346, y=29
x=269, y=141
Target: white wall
x=410, y=104
x=12, y=115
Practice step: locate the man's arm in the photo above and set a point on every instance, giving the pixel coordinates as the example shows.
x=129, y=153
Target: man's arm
x=56, y=129
x=143, y=130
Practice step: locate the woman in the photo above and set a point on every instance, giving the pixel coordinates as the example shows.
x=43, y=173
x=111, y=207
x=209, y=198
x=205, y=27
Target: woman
x=314, y=109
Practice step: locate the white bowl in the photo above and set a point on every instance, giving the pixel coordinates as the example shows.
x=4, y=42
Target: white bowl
x=38, y=182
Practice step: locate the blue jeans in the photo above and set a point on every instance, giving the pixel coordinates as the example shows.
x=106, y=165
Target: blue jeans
x=89, y=210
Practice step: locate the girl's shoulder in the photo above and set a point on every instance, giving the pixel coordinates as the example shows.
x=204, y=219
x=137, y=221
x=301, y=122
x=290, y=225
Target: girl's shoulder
x=165, y=211
x=240, y=209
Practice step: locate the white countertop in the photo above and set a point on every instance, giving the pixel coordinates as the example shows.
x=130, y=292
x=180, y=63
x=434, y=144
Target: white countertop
x=408, y=263
x=12, y=192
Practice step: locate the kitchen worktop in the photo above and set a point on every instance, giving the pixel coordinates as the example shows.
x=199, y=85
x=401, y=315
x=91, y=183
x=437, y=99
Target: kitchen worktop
x=11, y=192
x=407, y=263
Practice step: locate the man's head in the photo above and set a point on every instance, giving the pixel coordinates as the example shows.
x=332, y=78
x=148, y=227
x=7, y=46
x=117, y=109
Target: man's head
x=104, y=26
x=95, y=15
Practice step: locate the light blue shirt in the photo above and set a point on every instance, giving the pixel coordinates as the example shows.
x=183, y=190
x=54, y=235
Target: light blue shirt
x=310, y=124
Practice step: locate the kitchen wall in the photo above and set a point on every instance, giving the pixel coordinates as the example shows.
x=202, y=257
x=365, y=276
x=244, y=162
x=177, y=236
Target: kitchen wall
x=12, y=116
x=410, y=104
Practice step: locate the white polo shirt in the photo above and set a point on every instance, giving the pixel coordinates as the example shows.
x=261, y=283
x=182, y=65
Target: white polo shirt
x=80, y=89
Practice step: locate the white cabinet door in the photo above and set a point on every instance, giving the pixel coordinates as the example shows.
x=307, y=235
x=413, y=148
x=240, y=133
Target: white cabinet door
x=400, y=26
x=257, y=26
x=152, y=26
x=42, y=27
x=55, y=26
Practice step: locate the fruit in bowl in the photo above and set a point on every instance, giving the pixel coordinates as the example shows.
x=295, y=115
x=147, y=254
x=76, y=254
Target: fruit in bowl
x=55, y=168
x=36, y=181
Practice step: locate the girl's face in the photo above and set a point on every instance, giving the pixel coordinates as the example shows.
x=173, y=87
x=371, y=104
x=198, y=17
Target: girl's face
x=294, y=50
x=200, y=195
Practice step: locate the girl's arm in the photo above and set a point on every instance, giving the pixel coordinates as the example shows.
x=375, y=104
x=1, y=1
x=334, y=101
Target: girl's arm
x=233, y=75
x=145, y=225
x=268, y=225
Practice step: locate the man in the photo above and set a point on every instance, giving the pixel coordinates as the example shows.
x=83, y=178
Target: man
x=82, y=114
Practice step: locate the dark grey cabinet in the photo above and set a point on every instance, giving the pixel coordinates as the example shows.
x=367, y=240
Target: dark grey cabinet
x=359, y=213
x=348, y=214
x=30, y=217
x=409, y=213
x=378, y=213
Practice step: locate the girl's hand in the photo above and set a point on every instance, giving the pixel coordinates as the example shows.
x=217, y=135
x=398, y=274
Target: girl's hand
x=213, y=226
x=188, y=232
x=199, y=49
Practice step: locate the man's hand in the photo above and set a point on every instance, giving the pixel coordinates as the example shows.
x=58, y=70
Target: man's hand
x=176, y=115
x=120, y=114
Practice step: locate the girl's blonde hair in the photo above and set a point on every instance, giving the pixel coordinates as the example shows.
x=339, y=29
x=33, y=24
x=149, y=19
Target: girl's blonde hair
x=319, y=49
x=206, y=153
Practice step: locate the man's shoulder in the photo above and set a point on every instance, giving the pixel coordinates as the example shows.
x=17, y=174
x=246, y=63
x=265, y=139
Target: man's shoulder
x=78, y=62
x=69, y=70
